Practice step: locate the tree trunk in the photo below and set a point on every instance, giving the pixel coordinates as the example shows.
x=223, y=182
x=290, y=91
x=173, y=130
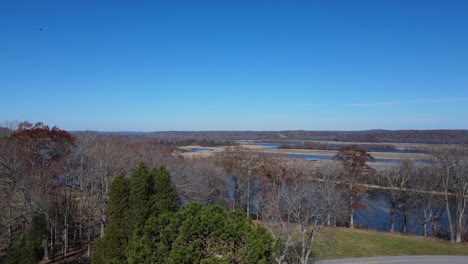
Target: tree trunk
x=248, y=197
x=459, y=229
x=447, y=205
x=460, y=213
x=75, y=231
x=302, y=257
x=52, y=246
x=88, y=253
x=65, y=241
x=80, y=228
x=236, y=194
x=65, y=223
x=435, y=227
x=102, y=228
x=392, y=219
x=9, y=217
x=309, y=247
x=425, y=223
x=351, y=214
x=405, y=223
x=45, y=247
x=449, y=217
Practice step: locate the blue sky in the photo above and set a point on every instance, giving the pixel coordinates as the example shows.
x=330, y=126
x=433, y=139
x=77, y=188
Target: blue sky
x=235, y=65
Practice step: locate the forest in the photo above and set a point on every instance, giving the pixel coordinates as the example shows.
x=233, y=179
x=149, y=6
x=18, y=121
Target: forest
x=372, y=136
x=86, y=197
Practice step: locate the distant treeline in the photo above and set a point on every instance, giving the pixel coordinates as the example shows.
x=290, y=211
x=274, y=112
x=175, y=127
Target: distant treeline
x=390, y=136
x=204, y=142
x=373, y=136
x=173, y=139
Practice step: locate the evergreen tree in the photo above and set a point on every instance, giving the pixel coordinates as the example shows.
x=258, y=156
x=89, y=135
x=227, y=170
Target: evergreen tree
x=110, y=249
x=164, y=198
x=141, y=189
x=131, y=202
x=200, y=234
x=28, y=248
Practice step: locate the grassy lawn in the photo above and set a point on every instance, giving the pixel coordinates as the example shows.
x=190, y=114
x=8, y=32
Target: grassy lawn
x=346, y=243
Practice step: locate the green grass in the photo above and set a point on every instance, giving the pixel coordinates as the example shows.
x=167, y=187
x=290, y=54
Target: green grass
x=345, y=243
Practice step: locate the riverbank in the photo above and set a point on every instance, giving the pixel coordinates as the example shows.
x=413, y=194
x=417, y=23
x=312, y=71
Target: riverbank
x=382, y=159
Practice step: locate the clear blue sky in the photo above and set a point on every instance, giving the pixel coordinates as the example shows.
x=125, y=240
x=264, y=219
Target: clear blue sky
x=235, y=65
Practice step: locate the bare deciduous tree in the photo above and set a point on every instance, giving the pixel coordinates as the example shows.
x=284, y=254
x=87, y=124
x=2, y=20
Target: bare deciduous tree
x=199, y=179
x=396, y=181
x=240, y=164
x=112, y=156
x=300, y=210
x=452, y=163
x=430, y=204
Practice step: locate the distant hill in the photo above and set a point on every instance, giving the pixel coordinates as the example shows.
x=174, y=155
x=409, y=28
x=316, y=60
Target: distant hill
x=375, y=136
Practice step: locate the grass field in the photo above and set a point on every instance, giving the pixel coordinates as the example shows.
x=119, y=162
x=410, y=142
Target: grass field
x=347, y=243
x=256, y=148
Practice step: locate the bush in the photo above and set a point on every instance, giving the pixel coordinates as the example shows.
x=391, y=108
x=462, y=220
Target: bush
x=200, y=234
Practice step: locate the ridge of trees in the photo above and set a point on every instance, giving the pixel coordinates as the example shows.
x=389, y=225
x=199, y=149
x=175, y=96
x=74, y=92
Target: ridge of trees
x=374, y=136
x=313, y=145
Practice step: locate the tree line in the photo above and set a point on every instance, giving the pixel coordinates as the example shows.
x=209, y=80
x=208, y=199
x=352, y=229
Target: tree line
x=55, y=186
x=373, y=136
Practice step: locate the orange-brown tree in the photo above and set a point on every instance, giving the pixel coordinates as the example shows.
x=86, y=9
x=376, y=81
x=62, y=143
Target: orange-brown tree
x=38, y=155
x=354, y=162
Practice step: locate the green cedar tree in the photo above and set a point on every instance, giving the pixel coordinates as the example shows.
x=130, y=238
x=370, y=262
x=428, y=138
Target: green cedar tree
x=110, y=249
x=141, y=186
x=28, y=248
x=164, y=198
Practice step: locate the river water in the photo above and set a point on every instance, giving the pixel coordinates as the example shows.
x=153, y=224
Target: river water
x=275, y=146
x=377, y=214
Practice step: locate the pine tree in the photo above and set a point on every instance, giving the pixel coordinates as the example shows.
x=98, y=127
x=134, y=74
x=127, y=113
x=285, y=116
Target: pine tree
x=141, y=189
x=164, y=198
x=110, y=249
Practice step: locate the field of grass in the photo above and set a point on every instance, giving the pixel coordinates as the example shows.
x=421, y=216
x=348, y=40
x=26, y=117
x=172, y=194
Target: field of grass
x=377, y=155
x=347, y=243
x=257, y=148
